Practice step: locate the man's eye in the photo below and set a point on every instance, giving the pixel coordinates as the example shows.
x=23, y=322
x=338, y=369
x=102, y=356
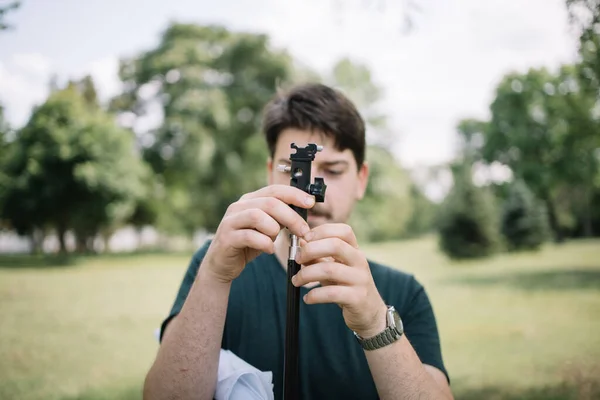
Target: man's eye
x=334, y=172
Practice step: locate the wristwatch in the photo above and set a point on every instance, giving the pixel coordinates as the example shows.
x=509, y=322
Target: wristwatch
x=393, y=331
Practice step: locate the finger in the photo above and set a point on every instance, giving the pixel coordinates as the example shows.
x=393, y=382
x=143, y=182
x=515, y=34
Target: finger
x=342, y=231
x=249, y=238
x=286, y=193
x=317, y=260
x=330, y=272
x=341, y=295
x=255, y=218
x=334, y=247
x=303, y=243
x=277, y=209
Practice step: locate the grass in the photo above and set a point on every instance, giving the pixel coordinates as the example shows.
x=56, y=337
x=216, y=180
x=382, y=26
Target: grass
x=522, y=326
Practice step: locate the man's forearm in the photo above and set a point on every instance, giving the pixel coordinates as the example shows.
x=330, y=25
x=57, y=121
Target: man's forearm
x=187, y=362
x=399, y=374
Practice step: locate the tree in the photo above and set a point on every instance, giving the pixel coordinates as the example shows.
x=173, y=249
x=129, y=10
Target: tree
x=543, y=126
x=5, y=142
x=524, y=222
x=356, y=81
x=422, y=218
x=384, y=212
x=5, y=10
x=386, y=208
x=585, y=17
x=71, y=168
x=467, y=222
x=210, y=85
x=471, y=134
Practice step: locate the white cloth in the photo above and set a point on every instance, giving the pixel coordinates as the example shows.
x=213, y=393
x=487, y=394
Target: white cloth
x=236, y=379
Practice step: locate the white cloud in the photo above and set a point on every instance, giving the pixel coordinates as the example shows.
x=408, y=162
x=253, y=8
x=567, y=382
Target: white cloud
x=444, y=70
x=33, y=64
x=24, y=82
x=105, y=74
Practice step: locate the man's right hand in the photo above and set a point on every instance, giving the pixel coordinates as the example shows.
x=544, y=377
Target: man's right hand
x=251, y=225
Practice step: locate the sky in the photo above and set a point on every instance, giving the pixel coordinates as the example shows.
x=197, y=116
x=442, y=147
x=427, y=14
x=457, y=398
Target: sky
x=444, y=70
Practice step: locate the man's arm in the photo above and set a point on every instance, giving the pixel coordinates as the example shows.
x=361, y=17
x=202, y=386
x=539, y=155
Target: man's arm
x=347, y=281
x=399, y=374
x=186, y=365
x=187, y=361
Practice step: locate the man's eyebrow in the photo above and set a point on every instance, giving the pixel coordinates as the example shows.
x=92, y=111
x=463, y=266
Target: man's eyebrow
x=327, y=163
x=335, y=162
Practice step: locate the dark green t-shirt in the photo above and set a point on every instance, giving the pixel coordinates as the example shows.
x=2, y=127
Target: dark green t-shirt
x=332, y=363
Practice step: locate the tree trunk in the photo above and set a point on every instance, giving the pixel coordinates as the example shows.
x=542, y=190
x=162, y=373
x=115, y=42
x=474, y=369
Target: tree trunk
x=80, y=243
x=588, y=230
x=37, y=240
x=61, y=231
x=553, y=220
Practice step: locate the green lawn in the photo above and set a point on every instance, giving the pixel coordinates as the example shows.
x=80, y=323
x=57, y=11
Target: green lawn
x=522, y=326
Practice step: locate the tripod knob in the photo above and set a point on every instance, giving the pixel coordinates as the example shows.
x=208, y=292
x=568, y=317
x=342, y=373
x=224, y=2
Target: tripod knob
x=317, y=189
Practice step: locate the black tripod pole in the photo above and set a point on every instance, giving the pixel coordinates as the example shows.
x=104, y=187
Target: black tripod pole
x=300, y=172
x=291, y=385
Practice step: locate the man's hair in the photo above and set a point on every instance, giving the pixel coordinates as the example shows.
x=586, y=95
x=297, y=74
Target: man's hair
x=317, y=108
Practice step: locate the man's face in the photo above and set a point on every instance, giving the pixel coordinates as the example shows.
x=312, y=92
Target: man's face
x=345, y=182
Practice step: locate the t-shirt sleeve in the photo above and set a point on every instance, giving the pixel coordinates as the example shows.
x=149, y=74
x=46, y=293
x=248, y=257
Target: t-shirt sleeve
x=184, y=288
x=421, y=329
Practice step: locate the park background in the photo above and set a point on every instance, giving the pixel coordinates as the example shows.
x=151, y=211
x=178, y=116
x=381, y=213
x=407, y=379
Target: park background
x=128, y=127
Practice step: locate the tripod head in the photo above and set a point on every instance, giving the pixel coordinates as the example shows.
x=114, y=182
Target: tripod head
x=301, y=170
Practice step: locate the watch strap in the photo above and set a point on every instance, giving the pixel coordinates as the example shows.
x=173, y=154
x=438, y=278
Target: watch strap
x=388, y=336
x=393, y=331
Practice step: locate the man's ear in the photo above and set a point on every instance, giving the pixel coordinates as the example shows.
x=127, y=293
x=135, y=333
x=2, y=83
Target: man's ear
x=363, y=180
x=269, y=170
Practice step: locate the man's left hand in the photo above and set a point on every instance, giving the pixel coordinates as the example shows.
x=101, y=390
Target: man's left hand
x=330, y=255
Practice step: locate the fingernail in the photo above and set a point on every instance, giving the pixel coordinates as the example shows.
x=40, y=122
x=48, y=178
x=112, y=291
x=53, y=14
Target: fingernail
x=304, y=298
x=308, y=236
x=294, y=280
x=309, y=201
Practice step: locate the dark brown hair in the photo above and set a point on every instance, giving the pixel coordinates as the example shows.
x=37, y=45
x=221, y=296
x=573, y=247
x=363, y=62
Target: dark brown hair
x=317, y=108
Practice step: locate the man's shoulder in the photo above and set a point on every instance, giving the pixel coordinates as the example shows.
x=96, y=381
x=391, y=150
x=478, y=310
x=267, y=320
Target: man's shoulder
x=395, y=285
x=201, y=251
x=385, y=272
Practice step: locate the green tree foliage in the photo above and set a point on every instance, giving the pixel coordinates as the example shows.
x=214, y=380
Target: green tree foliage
x=4, y=10
x=5, y=142
x=210, y=85
x=385, y=211
x=471, y=134
x=71, y=168
x=356, y=81
x=585, y=17
x=422, y=218
x=544, y=127
x=468, y=219
x=524, y=222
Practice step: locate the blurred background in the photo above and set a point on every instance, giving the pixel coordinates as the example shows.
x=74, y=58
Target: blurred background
x=127, y=128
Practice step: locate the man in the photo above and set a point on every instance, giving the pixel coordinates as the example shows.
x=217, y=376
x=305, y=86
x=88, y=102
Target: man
x=233, y=295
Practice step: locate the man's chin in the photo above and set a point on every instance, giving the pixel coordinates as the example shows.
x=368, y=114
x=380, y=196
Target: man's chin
x=316, y=220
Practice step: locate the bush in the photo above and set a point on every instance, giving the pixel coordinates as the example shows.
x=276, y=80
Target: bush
x=468, y=223
x=524, y=221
